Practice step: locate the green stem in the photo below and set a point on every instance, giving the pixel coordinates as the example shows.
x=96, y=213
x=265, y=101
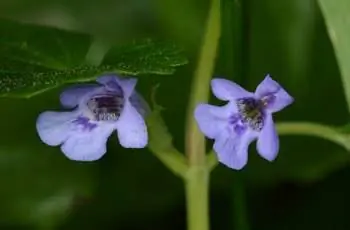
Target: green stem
x=313, y=129
x=173, y=160
x=97, y=51
x=240, y=219
x=197, y=196
x=160, y=142
x=195, y=142
x=197, y=179
x=301, y=128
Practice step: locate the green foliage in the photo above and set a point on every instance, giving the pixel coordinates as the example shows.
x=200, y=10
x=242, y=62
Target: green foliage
x=146, y=57
x=34, y=59
x=302, y=47
x=158, y=129
x=337, y=19
x=161, y=141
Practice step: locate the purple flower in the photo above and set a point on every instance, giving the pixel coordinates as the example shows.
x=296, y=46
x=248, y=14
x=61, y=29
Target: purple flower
x=247, y=116
x=98, y=110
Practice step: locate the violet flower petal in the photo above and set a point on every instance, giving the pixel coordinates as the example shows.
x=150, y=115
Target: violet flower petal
x=107, y=79
x=281, y=98
x=227, y=90
x=54, y=127
x=232, y=148
x=71, y=96
x=211, y=119
x=266, y=87
x=128, y=85
x=138, y=102
x=89, y=145
x=268, y=141
x=112, y=81
x=131, y=128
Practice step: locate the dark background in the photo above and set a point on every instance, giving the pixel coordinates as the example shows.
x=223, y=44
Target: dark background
x=306, y=187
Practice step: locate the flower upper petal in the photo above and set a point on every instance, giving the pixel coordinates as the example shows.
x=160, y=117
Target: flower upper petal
x=227, y=90
x=280, y=99
x=104, y=80
x=55, y=127
x=266, y=87
x=90, y=145
x=140, y=104
x=128, y=85
x=232, y=148
x=211, y=119
x=131, y=127
x=71, y=96
x=112, y=81
x=268, y=142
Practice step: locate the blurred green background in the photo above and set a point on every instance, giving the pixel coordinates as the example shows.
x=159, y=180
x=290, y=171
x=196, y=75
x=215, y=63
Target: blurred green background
x=306, y=187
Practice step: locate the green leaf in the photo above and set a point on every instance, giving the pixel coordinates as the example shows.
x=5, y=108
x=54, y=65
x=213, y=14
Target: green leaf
x=28, y=84
x=145, y=57
x=40, y=46
x=337, y=18
x=34, y=59
x=161, y=142
x=160, y=138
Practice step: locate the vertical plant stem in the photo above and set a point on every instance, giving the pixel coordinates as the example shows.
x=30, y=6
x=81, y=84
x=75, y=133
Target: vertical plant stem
x=337, y=19
x=197, y=197
x=239, y=206
x=195, y=144
x=197, y=179
x=98, y=48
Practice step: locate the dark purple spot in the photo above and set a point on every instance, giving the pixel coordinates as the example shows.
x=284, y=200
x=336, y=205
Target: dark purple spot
x=234, y=119
x=237, y=124
x=239, y=129
x=106, y=107
x=85, y=123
